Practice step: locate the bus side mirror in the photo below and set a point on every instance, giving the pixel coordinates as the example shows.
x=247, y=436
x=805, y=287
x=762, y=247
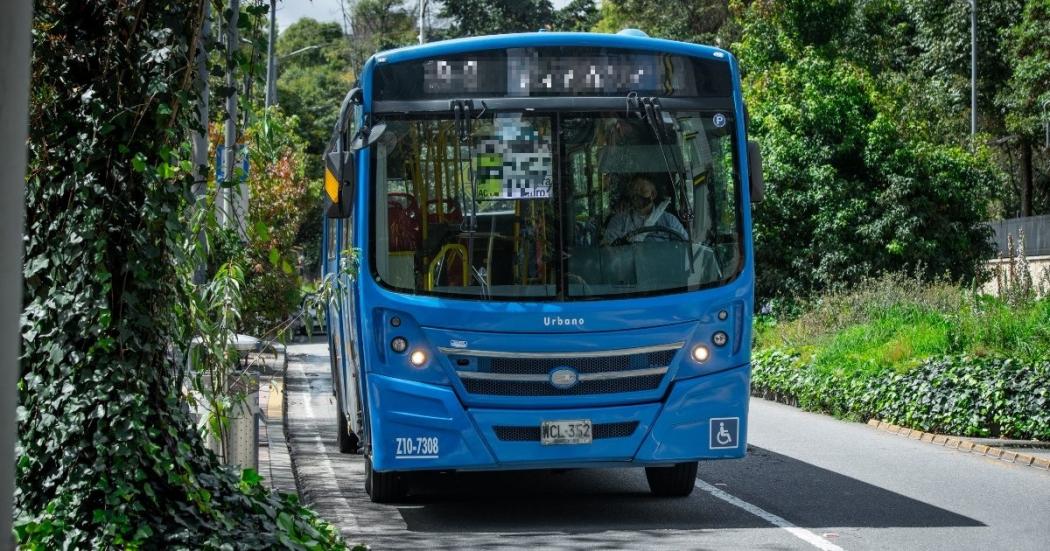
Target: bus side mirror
x=754, y=170
x=339, y=180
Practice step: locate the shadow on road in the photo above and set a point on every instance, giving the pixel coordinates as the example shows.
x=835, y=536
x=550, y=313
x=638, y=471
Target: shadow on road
x=618, y=499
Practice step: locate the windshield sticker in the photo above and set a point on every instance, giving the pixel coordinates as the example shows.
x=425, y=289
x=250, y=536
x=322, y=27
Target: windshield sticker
x=719, y=120
x=515, y=162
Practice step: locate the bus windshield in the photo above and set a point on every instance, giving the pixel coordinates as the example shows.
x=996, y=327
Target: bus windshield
x=529, y=205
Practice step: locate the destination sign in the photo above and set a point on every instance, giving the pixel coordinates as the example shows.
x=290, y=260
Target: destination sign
x=553, y=71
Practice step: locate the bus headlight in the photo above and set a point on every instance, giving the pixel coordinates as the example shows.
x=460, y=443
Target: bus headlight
x=418, y=358
x=399, y=344
x=701, y=353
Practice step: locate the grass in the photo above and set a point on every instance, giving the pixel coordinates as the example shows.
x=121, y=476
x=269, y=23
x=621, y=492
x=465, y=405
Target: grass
x=930, y=356
x=896, y=322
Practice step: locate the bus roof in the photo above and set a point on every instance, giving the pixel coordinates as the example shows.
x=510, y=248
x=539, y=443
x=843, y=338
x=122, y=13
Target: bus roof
x=522, y=40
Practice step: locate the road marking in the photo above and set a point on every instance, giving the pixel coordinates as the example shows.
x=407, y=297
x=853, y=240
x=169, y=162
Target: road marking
x=322, y=451
x=800, y=533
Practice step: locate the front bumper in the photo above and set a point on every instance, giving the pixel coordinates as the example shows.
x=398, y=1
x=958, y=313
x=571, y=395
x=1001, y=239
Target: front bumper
x=418, y=426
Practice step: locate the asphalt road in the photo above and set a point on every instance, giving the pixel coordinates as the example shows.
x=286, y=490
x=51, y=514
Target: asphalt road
x=809, y=482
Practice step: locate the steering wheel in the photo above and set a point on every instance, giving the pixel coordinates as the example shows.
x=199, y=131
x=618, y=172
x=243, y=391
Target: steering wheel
x=626, y=238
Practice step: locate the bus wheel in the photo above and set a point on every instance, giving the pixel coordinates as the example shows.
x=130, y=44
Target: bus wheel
x=383, y=487
x=348, y=441
x=674, y=481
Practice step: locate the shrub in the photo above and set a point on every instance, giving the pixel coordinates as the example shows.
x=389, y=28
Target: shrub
x=961, y=395
x=931, y=356
x=281, y=197
x=107, y=454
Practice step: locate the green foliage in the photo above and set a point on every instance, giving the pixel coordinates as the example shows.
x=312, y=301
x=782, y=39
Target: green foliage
x=312, y=82
x=896, y=322
x=480, y=17
x=577, y=16
x=107, y=455
x=852, y=190
x=959, y=395
x=383, y=24
x=686, y=20
x=1028, y=88
x=941, y=46
x=283, y=198
x=931, y=356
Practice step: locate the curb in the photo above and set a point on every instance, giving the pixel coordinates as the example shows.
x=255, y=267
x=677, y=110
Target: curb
x=279, y=469
x=963, y=445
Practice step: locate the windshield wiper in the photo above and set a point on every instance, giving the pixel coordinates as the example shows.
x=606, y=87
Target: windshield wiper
x=649, y=108
x=463, y=123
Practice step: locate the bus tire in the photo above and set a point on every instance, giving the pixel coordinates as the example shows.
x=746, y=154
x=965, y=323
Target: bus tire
x=348, y=441
x=383, y=487
x=675, y=481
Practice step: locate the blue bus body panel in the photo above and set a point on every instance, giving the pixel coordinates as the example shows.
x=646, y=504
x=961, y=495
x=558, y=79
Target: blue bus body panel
x=405, y=413
x=676, y=422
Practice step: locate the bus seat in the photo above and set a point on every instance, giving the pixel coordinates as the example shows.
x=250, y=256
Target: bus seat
x=403, y=217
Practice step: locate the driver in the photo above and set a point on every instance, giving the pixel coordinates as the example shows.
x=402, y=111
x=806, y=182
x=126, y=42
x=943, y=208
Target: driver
x=642, y=212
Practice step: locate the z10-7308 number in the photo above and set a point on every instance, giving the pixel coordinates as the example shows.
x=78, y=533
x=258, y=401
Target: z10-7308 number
x=421, y=447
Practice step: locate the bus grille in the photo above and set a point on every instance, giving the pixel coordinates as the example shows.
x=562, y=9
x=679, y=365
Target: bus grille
x=619, y=371
x=543, y=388
x=601, y=431
x=601, y=364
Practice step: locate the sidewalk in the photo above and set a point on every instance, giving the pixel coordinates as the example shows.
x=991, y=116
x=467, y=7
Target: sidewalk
x=275, y=465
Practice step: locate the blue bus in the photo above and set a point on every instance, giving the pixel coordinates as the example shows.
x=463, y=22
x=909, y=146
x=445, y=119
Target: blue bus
x=552, y=235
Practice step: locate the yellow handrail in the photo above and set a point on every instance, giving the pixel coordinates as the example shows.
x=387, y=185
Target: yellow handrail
x=435, y=264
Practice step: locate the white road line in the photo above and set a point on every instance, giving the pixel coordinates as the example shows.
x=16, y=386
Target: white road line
x=800, y=533
x=322, y=450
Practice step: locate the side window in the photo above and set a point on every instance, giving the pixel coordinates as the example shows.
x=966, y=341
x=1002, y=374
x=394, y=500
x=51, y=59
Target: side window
x=348, y=233
x=330, y=240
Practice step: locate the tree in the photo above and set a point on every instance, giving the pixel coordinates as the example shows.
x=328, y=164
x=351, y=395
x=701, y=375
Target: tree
x=382, y=25
x=577, y=16
x=853, y=190
x=107, y=456
x=282, y=197
x=314, y=75
x=480, y=17
x=1026, y=97
x=697, y=21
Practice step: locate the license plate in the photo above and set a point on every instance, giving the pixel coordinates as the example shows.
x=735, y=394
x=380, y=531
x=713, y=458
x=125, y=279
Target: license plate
x=566, y=432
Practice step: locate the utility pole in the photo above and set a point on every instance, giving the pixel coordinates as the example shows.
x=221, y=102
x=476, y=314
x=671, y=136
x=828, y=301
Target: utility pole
x=422, y=21
x=15, y=24
x=234, y=205
x=973, y=73
x=271, y=58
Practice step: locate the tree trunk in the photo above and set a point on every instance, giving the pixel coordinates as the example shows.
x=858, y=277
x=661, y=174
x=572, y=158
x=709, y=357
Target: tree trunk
x=1026, y=177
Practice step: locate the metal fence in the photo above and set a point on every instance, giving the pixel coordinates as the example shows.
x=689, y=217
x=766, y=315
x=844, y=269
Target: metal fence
x=1036, y=234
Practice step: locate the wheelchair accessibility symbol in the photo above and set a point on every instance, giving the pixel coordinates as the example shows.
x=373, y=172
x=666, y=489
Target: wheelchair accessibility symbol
x=725, y=433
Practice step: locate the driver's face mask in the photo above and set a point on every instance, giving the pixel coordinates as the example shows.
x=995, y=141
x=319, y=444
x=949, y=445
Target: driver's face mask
x=641, y=201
